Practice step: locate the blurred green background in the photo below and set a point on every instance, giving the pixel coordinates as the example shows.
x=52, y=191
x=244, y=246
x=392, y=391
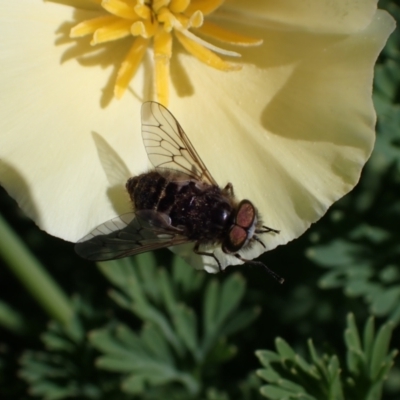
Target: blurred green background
x=152, y=328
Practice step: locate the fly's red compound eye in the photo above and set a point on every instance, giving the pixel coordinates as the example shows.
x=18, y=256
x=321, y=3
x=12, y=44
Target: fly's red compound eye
x=245, y=215
x=239, y=233
x=236, y=239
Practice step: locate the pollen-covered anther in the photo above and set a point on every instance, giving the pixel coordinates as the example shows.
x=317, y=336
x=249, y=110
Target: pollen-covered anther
x=196, y=20
x=167, y=19
x=146, y=29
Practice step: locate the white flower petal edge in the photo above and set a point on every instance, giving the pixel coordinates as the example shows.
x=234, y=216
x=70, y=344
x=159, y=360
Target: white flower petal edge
x=50, y=115
x=299, y=146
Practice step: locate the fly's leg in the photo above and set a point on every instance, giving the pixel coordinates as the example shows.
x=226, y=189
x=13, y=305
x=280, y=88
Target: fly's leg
x=272, y=273
x=257, y=239
x=203, y=253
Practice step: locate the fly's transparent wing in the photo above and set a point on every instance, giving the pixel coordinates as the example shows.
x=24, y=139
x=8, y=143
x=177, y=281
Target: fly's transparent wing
x=129, y=234
x=168, y=146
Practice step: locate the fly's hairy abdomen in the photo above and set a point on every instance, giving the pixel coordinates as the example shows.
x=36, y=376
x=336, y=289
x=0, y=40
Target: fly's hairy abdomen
x=146, y=190
x=203, y=211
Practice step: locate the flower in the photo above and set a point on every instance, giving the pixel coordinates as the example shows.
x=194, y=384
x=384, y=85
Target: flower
x=291, y=129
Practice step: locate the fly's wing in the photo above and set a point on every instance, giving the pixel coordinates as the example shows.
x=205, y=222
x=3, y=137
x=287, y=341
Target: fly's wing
x=129, y=234
x=167, y=145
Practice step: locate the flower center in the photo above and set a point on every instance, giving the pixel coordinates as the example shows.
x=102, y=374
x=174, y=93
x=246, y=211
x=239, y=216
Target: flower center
x=155, y=21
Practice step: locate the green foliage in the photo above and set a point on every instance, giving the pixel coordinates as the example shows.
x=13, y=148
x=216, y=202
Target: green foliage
x=368, y=362
x=66, y=368
x=176, y=344
x=176, y=351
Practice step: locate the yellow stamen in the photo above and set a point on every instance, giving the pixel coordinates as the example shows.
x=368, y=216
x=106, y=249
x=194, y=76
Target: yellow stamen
x=194, y=21
x=205, y=55
x=227, y=36
x=120, y=9
x=208, y=45
x=205, y=6
x=178, y=6
x=166, y=18
x=117, y=30
x=129, y=66
x=143, y=11
x=162, y=56
x=145, y=29
x=87, y=27
x=157, y=5
x=156, y=19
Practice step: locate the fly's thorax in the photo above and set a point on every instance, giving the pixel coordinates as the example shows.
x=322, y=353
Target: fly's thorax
x=243, y=228
x=204, y=212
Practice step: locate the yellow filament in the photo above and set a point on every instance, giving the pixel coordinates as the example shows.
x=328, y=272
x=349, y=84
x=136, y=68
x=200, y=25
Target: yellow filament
x=120, y=9
x=118, y=30
x=90, y=26
x=205, y=55
x=162, y=56
x=227, y=36
x=129, y=66
x=162, y=44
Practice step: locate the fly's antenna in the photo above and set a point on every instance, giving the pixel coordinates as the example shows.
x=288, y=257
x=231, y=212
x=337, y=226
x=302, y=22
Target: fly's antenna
x=256, y=238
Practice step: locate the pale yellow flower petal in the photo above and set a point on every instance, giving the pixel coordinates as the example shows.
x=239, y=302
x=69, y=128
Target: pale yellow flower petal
x=300, y=145
x=217, y=32
x=80, y=4
x=205, y=6
x=334, y=16
x=53, y=160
